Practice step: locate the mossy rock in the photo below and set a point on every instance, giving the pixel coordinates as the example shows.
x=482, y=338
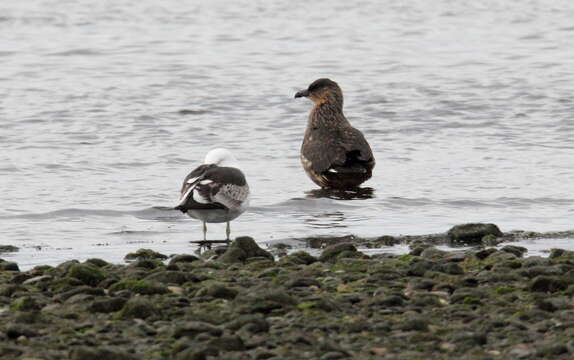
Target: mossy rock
x=253, y=323
x=8, y=290
x=484, y=253
x=332, y=253
x=107, y=305
x=387, y=240
x=137, y=308
x=264, y=300
x=227, y=343
x=145, y=254
x=242, y=249
x=220, y=291
x=490, y=240
x=201, y=352
x=25, y=303
x=302, y=281
x=321, y=242
x=449, y=268
x=298, y=258
x=420, y=268
x=87, y=273
x=97, y=262
x=472, y=233
x=194, y=328
x=146, y=264
x=84, y=289
x=185, y=258
x=142, y=287
x=518, y=251
x=99, y=353
x=170, y=277
x=8, y=266
x=547, y=284
x=415, y=324
x=433, y=253
x=14, y=331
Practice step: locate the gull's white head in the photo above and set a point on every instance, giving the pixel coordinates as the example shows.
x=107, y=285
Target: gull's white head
x=221, y=157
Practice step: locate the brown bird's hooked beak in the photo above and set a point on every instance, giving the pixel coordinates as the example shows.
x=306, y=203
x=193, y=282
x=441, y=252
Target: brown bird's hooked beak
x=302, y=93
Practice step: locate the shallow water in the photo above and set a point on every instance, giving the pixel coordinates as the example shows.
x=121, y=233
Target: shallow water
x=468, y=108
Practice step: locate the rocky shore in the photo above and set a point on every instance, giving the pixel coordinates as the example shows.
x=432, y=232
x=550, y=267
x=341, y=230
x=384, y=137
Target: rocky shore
x=241, y=302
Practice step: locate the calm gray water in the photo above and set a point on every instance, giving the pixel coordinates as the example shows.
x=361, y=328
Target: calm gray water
x=468, y=107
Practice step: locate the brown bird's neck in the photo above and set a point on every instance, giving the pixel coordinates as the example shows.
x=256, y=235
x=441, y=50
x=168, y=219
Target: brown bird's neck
x=327, y=114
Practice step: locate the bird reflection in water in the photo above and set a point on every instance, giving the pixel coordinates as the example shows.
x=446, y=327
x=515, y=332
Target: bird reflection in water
x=335, y=194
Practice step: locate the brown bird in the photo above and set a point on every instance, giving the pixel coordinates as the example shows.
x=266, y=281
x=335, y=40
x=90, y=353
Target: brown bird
x=334, y=154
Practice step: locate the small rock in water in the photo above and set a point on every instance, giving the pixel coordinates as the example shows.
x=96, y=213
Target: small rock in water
x=8, y=248
x=472, y=233
x=8, y=266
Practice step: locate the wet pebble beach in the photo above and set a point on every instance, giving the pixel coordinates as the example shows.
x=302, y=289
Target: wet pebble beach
x=248, y=302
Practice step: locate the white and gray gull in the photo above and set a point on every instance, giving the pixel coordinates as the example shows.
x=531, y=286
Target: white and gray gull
x=334, y=154
x=216, y=191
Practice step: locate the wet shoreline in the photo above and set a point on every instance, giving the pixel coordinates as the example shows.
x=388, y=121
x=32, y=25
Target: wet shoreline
x=241, y=302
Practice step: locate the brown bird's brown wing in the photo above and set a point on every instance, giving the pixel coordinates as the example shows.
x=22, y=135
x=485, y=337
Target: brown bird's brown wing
x=320, y=151
x=353, y=141
x=325, y=150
